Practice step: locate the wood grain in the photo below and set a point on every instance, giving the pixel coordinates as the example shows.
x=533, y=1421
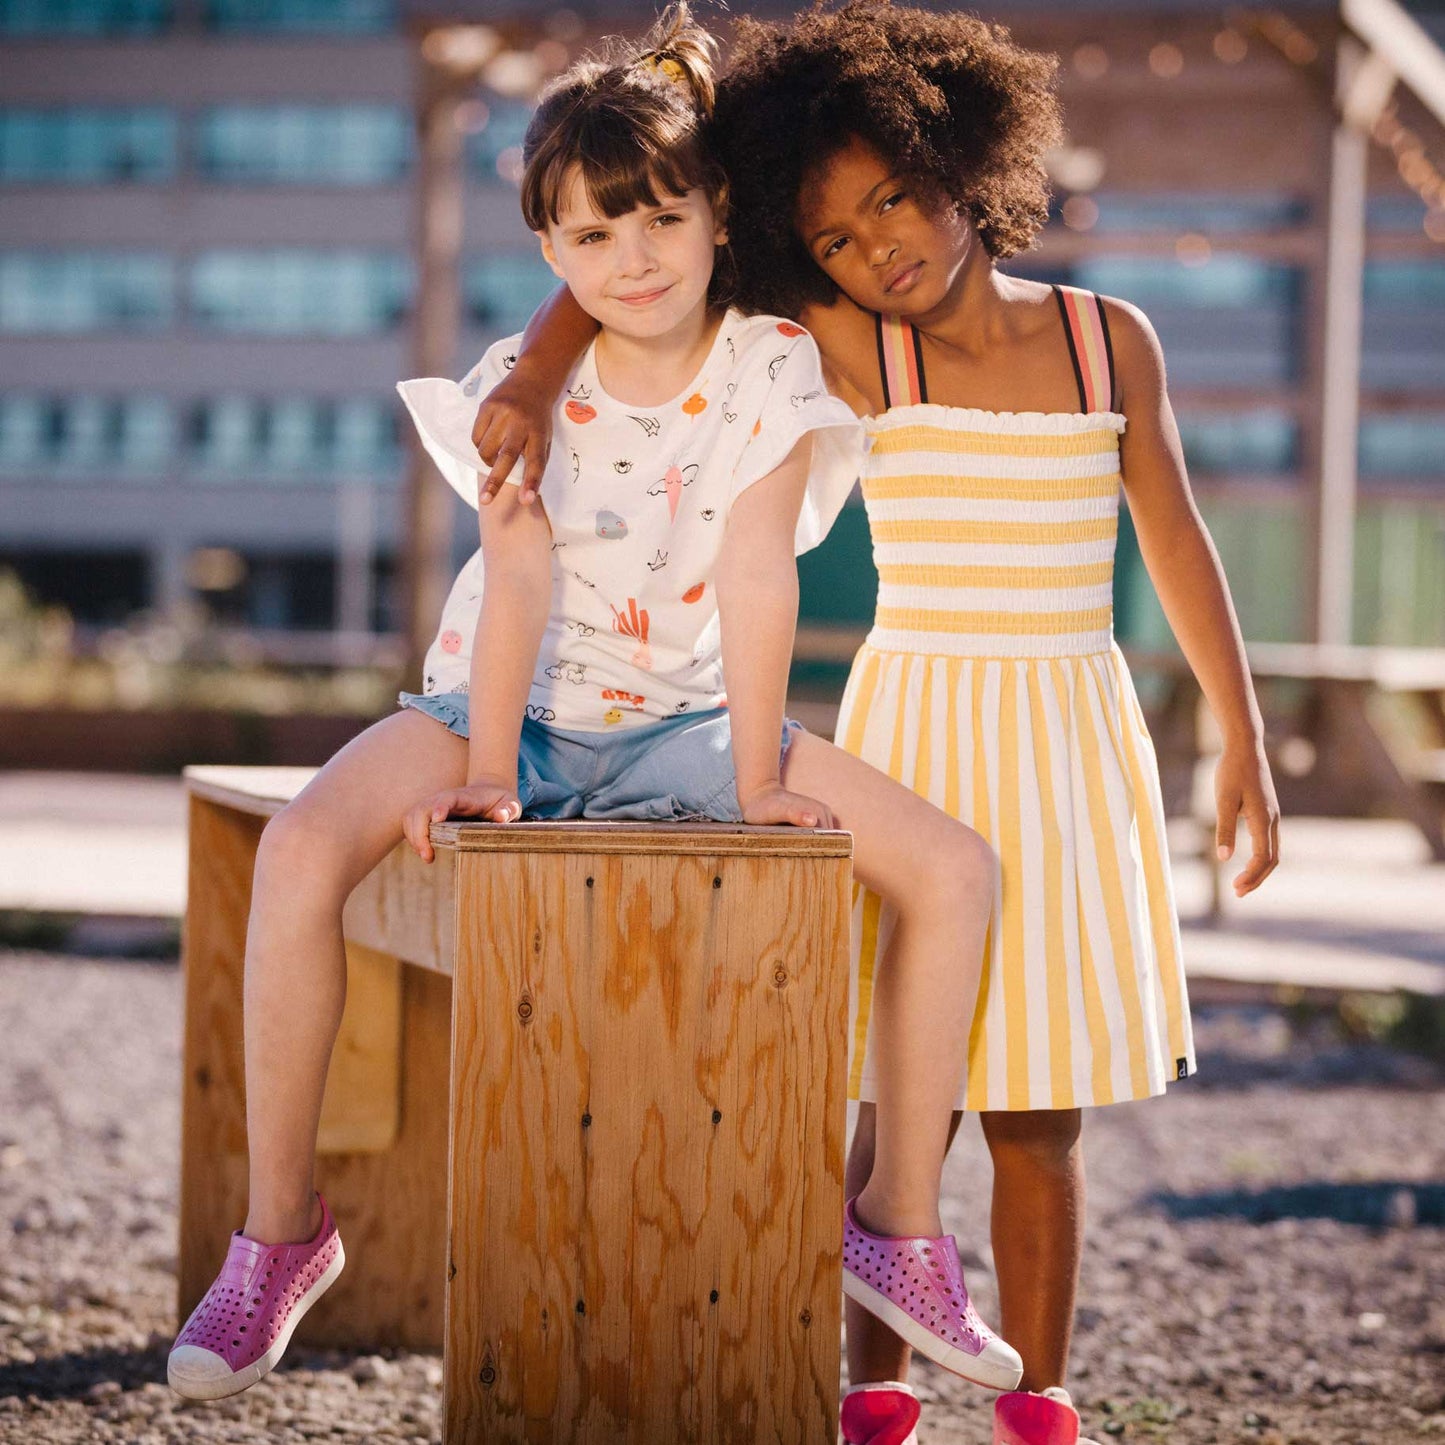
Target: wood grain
x=667, y=839
x=406, y=908
x=361, y=1109
x=647, y=1148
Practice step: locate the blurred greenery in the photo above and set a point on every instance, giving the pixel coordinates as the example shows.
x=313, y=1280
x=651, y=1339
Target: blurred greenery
x=172, y=663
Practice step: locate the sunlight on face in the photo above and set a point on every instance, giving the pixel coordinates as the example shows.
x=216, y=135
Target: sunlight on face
x=643, y=273
x=882, y=244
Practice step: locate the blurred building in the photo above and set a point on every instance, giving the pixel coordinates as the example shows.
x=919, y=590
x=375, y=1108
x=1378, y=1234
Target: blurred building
x=206, y=221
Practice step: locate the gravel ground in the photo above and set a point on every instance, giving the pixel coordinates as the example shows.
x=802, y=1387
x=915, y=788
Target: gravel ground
x=1266, y=1257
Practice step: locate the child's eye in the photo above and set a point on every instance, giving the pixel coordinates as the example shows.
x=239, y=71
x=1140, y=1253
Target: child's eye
x=670, y=218
x=833, y=247
x=587, y=239
x=893, y=200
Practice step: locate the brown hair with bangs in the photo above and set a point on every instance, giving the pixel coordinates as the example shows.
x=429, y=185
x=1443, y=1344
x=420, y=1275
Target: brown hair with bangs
x=633, y=121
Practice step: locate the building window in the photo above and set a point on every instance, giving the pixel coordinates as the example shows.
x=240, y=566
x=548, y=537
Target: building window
x=86, y=146
x=1257, y=442
x=293, y=439
x=1166, y=214
x=84, y=291
x=1404, y=320
x=1404, y=446
x=496, y=127
x=342, y=145
x=299, y=293
x=84, y=17
x=500, y=293
x=1231, y=321
x=287, y=592
x=302, y=17
x=93, y=586
x=82, y=435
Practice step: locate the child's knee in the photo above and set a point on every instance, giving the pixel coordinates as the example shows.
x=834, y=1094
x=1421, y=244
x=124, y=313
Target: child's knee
x=964, y=868
x=1042, y=1140
x=293, y=846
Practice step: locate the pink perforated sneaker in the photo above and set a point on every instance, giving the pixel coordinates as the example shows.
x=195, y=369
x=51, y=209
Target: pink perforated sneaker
x=242, y=1326
x=882, y=1413
x=915, y=1286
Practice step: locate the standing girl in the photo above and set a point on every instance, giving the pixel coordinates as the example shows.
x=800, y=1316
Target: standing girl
x=697, y=448
x=882, y=161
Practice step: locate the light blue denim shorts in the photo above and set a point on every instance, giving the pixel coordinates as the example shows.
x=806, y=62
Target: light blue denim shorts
x=673, y=770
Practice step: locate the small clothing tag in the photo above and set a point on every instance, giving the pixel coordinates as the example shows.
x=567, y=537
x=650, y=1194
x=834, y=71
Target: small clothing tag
x=1182, y=1068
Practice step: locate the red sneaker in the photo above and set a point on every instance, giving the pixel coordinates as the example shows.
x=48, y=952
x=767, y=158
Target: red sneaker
x=1049, y=1418
x=883, y=1413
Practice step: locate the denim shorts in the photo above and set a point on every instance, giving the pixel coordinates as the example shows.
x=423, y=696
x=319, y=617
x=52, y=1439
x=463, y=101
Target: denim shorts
x=674, y=770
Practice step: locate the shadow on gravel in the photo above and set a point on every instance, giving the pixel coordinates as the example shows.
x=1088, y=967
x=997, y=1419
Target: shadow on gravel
x=1384, y=1204
x=1377, y=936
x=72, y=1376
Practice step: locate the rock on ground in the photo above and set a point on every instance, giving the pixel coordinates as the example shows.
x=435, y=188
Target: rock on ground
x=1265, y=1257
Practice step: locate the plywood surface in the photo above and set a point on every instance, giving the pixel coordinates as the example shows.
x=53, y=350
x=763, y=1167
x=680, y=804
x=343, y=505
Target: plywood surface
x=647, y=1149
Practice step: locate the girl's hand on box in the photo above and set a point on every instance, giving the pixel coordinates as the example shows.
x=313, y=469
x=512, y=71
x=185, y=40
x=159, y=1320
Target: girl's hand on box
x=773, y=803
x=494, y=800
x=513, y=424
x=1242, y=784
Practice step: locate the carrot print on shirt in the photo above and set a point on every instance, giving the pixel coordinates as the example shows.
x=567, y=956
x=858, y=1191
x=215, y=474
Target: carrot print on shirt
x=634, y=624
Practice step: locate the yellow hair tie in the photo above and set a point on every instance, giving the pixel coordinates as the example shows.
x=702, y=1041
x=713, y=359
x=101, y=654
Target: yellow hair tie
x=667, y=67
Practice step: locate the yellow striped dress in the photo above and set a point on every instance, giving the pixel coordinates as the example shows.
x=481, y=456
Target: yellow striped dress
x=991, y=684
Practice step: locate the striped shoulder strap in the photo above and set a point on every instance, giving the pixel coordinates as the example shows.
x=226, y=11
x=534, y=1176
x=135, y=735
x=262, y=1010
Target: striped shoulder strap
x=900, y=362
x=1093, y=354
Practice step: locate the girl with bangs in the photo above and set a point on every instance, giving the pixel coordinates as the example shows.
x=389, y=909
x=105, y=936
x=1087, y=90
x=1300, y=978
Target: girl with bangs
x=579, y=672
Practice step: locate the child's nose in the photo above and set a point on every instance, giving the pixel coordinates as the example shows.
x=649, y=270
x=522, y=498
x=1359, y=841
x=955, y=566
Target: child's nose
x=635, y=258
x=883, y=250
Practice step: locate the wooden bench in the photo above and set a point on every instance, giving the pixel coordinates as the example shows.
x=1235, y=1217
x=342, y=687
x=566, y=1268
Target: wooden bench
x=584, y=1124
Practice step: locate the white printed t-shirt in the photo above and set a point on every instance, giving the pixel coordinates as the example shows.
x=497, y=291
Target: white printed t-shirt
x=638, y=501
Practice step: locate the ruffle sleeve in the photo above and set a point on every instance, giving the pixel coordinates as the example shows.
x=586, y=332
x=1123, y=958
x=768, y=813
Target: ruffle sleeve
x=443, y=412
x=791, y=401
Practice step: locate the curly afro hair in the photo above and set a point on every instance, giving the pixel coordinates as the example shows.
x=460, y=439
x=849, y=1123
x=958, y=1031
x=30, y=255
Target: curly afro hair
x=951, y=100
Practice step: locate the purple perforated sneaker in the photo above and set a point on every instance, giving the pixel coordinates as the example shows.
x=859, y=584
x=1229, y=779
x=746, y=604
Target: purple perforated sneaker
x=915, y=1286
x=242, y=1326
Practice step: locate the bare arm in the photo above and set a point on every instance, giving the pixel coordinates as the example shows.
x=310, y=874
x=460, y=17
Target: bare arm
x=515, y=420
x=516, y=597
x=1187, y=575
x=757, y=591
x=847, y=339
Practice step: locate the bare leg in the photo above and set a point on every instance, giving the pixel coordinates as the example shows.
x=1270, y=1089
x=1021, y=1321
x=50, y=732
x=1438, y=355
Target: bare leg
x=1038, y=1234
x=939, y=876
x=874, y=1351
x=312, y=854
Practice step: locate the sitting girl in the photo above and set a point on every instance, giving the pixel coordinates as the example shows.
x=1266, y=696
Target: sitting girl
x=696, y=449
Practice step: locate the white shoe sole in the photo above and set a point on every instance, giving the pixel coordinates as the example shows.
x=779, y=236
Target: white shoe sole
x=999, y=1367
x=199, y=1374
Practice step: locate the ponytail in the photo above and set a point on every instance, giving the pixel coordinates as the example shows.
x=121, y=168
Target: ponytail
x=681, y=52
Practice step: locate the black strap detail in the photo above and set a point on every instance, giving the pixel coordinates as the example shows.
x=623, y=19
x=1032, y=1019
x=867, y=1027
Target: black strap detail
x=882, y=359
x=917, y=336
x=1108, y=351
x=1074, y=350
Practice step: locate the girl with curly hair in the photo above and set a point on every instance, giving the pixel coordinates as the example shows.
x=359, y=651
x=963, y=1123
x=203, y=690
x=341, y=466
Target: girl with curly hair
x=883, y=160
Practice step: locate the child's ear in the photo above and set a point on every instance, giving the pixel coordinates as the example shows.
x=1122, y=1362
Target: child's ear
x=548, y=254
x=720, y=218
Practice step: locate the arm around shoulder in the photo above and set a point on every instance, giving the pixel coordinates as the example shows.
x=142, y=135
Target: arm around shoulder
x=514, y=422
